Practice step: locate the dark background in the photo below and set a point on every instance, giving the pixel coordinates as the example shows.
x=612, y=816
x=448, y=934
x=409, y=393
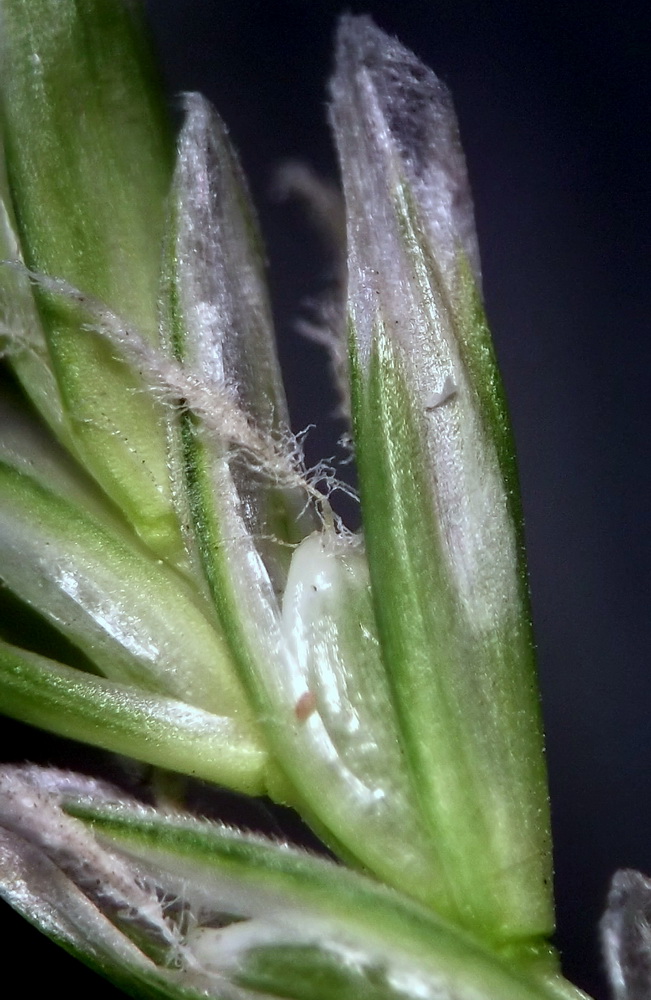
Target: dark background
x=553, y=106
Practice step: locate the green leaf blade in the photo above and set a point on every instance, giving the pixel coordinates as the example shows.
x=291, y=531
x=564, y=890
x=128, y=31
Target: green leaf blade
x=157, y=730
x=88, y=156
x=437, y=484
x=309, y=901
x=137, y=620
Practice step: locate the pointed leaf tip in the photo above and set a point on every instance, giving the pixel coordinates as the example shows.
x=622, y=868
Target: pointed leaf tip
x=405, y=111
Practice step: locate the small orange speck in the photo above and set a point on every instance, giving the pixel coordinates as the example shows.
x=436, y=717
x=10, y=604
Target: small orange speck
x=305, y=706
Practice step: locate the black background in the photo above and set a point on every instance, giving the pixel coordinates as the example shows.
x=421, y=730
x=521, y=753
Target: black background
x=553, y=105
